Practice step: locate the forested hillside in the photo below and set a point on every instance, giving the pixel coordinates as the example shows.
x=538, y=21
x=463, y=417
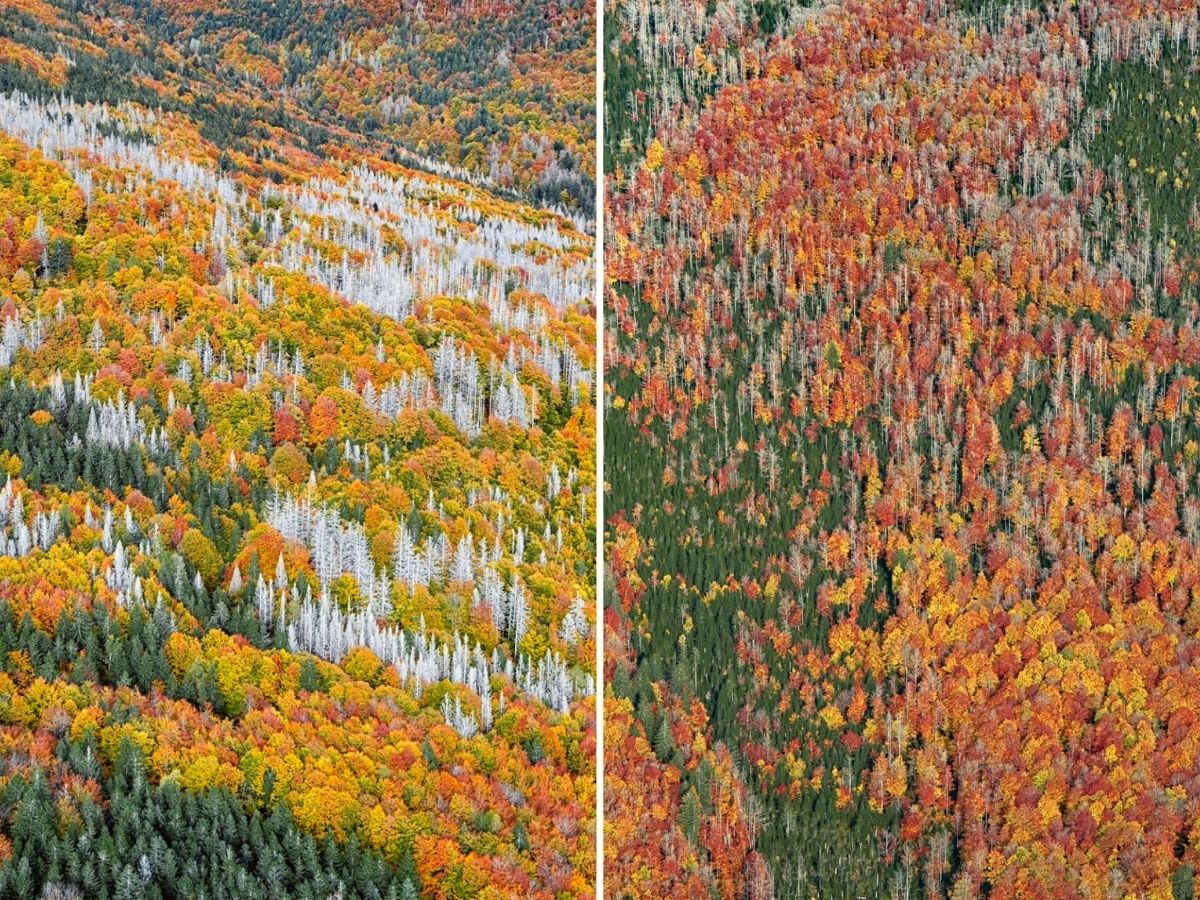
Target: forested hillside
x=297, y=437
x=902, y=439
x=501, y=92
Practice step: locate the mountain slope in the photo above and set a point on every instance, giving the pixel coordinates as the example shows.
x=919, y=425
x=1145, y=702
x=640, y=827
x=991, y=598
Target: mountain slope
x=297, y=523
x=499, y=91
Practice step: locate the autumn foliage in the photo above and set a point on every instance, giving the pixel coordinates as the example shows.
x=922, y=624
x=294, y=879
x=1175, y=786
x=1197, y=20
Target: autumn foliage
x=297, y=460
x=911, y=378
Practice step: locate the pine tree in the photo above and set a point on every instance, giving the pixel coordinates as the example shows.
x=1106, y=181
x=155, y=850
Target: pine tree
x=1182, y=884
x=664, y=743
x=310, y=676
x=429, y=754
x=521, y=838
x=689, y=815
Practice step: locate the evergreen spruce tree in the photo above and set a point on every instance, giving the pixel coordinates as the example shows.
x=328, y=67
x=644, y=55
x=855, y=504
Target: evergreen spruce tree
x=521, y=837
x=1182, y=883
x=664, y=743
x=689, y=815
x=310, y=676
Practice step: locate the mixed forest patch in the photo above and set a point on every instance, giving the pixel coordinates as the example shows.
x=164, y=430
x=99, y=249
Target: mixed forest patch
x=907, y=364
x=501, y=93
x=297, y=468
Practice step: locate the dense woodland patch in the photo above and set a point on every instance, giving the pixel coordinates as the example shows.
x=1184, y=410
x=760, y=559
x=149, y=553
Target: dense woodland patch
x=297, y=453
x=500, y=92
x=902, y=444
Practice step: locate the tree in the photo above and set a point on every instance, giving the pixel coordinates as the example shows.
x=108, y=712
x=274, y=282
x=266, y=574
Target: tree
x=690, y=815
x=203, y=555
x=664, y=742
x=323, y=421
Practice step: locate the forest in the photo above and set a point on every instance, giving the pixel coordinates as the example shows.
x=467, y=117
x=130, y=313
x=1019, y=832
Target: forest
x=902, y=343
x=496, y=93
x=297, y=456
